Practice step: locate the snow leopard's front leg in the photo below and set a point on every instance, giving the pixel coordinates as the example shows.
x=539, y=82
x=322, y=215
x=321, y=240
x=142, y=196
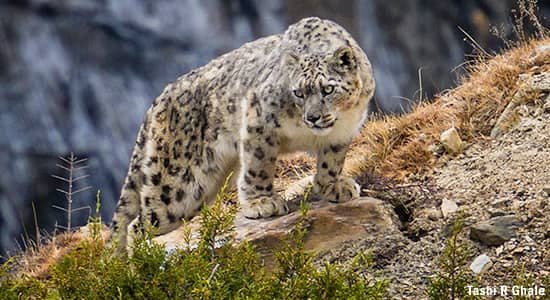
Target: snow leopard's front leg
x=329, y=183
x=258, y=156
x=256, y=194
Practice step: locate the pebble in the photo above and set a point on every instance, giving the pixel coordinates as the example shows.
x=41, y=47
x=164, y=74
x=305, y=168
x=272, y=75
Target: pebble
x=434, y=214
x=451, y=140
x=481, y=264
x=448, y=207
x=518, y=250
x=501, y=203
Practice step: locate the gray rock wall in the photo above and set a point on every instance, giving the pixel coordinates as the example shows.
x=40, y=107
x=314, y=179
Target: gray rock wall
x=78, y=75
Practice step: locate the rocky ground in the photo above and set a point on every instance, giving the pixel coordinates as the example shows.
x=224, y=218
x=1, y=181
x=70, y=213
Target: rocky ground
x=509, y=176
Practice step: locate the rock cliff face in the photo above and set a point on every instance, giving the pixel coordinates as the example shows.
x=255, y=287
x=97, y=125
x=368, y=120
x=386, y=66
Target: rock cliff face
x=77, y=76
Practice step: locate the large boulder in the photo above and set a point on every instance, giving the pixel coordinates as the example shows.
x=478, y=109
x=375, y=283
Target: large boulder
x=328, y=225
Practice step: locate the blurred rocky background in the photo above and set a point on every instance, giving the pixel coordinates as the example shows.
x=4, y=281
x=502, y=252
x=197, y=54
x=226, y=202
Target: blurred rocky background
x=78, y=75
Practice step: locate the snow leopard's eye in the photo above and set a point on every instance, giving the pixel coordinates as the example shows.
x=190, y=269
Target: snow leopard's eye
x=327, y=89
x=298, y=94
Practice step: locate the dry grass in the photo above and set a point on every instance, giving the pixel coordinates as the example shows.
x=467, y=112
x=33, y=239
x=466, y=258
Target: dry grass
x=397, y=147
x=37, y=261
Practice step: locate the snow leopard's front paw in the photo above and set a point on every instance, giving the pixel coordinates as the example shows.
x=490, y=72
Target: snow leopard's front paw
x=265, y=206
x=341, y=190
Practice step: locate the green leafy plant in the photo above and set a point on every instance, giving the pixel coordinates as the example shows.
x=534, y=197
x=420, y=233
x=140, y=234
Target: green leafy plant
x=20, y=287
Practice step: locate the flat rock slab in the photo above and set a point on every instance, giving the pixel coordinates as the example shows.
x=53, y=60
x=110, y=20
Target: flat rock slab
x=328, y=226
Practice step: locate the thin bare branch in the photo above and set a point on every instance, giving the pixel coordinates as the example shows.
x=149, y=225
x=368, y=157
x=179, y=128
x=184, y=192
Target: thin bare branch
x=64, y=160
x=82, y=190
x=72, y=165
x=62, y=227
x=35, y=223
x=60, y=208
x=63, y=167
x=213, y=272
x=80, y=177
x=82, y=208
x=63, y=191
x=61, y=178
x=77, y=162
x=474, y=42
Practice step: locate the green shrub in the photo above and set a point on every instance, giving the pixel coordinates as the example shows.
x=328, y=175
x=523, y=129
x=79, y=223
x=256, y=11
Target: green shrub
x=215, y=267
x=23, y=287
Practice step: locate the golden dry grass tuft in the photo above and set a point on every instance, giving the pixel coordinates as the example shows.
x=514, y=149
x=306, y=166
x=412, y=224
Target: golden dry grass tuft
x=37, y=261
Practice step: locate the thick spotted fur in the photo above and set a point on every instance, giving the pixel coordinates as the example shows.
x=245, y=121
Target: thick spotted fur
x=306, y=89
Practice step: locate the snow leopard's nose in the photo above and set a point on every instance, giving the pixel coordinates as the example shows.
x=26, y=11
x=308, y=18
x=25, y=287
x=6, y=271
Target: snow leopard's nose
x=313, y=118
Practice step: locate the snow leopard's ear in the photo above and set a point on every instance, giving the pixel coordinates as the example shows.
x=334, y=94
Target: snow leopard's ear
x=290, y=58
x=291, y=61
x=343, y=59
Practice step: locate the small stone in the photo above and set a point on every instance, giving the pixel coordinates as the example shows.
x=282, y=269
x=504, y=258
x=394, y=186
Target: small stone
x=481, y=264
x=434, y=214
x=542, y=49
x=495, y=231
x=451, y=140
x=171, y=249
x=546, y=191
x=448, y=207
x=518, y=250
x=540, y=55
x=501, y=203
x=499, y=250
